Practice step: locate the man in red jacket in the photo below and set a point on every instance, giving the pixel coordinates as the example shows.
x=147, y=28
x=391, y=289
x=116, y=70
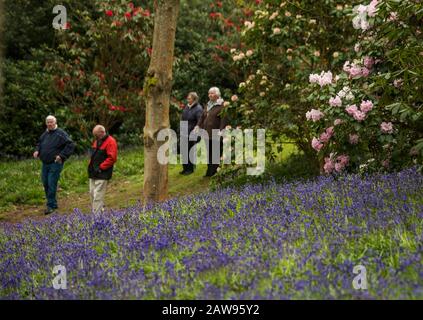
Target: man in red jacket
x=100, y=169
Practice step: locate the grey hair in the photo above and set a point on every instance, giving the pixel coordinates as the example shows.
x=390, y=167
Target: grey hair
x=194, y=95
x=99, y=127
x=216, y=90
x=50, y=117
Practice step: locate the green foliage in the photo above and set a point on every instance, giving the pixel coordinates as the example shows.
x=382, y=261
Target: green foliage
x=206, y=32
x=26, y=102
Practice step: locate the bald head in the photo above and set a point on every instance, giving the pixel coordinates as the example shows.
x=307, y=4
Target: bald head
x=99, y=131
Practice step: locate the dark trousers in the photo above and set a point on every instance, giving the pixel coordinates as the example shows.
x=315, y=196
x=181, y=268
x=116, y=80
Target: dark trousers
x=189, y=166
x=50, y=175
x=214, y=152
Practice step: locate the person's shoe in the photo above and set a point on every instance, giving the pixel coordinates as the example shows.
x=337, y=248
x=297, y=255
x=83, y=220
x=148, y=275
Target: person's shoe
x=187, y=173
x=49, y=211
x=182, y=172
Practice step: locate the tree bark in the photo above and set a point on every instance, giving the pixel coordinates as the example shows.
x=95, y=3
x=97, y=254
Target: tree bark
x=157, y=88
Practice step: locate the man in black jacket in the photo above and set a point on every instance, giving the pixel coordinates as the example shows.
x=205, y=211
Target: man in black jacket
x=53, y=149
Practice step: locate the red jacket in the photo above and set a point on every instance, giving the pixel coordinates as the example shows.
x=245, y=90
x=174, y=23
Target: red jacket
x=103, y=157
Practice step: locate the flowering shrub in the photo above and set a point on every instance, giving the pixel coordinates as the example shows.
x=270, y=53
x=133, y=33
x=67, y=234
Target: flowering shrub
x=285, y=42
x=100, y=64
x=375, y=103
x=275, y=241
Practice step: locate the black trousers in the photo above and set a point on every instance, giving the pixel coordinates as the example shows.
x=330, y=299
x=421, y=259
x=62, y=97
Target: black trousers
x=190, y=165
x=214, y=153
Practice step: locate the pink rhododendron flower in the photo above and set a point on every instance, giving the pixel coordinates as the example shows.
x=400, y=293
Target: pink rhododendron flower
x=366, y=106
x=341, y=162
x=330, y=131
x=329, y=165
x=314, y=115
x=314, y=78
x=335, y=102
x=359, y=116
x=324, y=137
x=316, y=144
x=365, y=72
x=355, y=71
x=368, y=62
x=371, y=8
x=323, y=79
x=387, y=127
x=351, y=110
x=234, y=98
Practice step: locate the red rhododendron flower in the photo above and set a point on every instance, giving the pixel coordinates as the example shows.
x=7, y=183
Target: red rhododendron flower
x=128, y=15
x=146, y=13
x=219, y=4
x=131, y=5
x=109, y=13
x=215, y=15
x=149, y=51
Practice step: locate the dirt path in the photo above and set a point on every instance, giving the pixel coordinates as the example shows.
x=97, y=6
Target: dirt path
x=120, y=194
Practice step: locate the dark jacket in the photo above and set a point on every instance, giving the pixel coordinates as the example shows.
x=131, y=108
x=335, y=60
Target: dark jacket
x=103, y=157
x=213, y=119
x=54, y=143
x=192, y=115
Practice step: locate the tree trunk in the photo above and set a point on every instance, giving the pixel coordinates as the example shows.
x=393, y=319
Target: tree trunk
x=157, y=87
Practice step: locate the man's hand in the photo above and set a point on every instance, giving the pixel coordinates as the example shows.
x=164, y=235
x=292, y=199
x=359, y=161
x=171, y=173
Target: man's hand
x=35, y=155
x=58, y=159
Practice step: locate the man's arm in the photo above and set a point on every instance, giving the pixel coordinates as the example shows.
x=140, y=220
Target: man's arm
x=200, y=122
x=112, y=151
x=68, y=147
x=37, y=146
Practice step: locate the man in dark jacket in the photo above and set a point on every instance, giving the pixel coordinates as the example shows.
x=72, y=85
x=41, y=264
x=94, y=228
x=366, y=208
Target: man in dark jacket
x=53, y=149
x=100, y=169
x=212, y=119
x=190, y=117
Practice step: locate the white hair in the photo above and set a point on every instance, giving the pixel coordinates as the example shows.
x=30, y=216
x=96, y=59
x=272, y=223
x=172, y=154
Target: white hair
x=51, y=118
x=97, y=127
x=216, y=90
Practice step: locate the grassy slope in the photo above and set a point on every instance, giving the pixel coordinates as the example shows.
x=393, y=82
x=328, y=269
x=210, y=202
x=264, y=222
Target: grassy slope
x=22, y=194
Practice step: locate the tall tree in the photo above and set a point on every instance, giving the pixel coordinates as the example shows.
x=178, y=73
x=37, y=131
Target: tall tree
x=158, y=86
